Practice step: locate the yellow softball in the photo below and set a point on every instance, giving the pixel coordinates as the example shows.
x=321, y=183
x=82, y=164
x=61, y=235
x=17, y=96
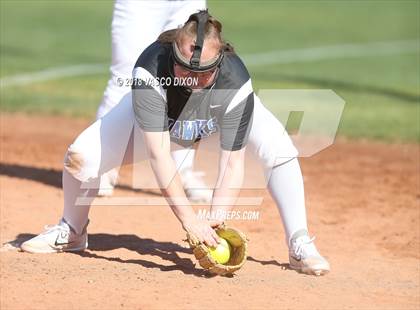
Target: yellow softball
x=221, y=253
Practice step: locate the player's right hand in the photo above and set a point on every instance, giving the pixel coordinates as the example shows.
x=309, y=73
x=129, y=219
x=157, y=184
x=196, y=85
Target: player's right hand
x=202, y=230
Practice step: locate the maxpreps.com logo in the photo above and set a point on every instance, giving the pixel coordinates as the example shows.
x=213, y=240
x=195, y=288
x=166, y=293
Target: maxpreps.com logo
x=192, y=129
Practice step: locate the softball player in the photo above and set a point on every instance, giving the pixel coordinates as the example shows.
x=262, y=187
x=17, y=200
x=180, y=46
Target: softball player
x=160, y=115
x=135, y=25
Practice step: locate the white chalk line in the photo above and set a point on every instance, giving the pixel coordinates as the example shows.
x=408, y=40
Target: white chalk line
x=259, y=59
x=332, y=52
x=52, y=74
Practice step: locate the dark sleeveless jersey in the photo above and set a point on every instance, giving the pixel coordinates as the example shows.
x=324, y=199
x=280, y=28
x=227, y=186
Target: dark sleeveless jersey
x=160, y=103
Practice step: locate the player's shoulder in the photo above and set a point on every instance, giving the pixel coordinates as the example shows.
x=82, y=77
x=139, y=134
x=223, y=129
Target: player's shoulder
x=233, y=72
x=154, y=58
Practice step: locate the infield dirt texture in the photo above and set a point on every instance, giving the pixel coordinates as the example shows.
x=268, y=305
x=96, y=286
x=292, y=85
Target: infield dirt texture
x=362, y=201
x=362, y=193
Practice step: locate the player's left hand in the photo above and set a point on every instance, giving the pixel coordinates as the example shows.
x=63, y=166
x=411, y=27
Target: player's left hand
x=202, y=230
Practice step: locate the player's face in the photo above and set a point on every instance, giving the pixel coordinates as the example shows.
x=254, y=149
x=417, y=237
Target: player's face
x=203, y=79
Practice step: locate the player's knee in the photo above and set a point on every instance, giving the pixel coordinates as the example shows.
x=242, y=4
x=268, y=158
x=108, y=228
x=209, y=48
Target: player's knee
x=75, y=163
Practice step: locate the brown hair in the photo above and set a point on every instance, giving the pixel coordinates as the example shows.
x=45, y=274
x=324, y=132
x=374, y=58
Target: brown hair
x=212, y=31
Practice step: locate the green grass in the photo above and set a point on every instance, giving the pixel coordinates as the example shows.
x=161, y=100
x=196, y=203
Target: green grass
x=40, y=34
x=79, y=99
x=382, y=92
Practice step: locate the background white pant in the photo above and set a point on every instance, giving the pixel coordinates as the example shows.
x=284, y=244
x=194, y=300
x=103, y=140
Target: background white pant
x=136, y=25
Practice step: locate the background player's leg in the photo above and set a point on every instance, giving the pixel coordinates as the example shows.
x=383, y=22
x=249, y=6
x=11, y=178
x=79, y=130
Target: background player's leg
x=193, y=182
x=182, y=156
x=135, y=25
x=180, y=12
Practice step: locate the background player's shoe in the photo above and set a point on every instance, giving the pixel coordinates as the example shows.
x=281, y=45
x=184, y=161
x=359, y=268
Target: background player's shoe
x=58, y=238
x=108, y=182
x=304, y=257
x=195, y=188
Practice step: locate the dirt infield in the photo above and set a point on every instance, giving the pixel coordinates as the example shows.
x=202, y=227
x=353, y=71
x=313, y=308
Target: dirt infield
x=363, y=206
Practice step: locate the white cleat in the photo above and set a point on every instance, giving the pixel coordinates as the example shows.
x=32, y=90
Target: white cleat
x=304, y=257
x=106, y=192
x=195, y=188
x=57, y=238
x=107, y=183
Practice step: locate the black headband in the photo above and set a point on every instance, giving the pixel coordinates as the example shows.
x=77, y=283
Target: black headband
x=194, y=63
x=201, y=19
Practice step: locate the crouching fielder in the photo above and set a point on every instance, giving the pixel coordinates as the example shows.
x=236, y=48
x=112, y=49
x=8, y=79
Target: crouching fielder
x=188, y=85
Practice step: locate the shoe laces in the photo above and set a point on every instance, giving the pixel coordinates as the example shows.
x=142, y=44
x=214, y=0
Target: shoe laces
x=300, y=245
x=59, y=226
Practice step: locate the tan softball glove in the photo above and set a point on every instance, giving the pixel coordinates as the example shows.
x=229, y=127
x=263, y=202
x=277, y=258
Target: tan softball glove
x=238, y=251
